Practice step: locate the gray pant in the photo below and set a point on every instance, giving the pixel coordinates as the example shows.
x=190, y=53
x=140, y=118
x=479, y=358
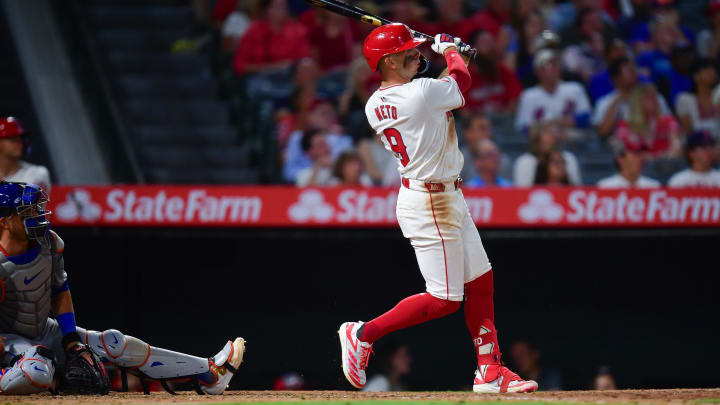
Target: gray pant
x=51, y=337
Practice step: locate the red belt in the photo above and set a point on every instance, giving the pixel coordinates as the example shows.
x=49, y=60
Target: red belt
x=433, y=187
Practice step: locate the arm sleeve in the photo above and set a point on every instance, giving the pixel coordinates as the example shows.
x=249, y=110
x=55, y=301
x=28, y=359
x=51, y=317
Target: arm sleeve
x=458, y=70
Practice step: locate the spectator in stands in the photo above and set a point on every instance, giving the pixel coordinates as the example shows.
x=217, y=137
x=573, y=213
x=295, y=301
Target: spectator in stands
x=394, y=365
x=642, y=34
x=584, y=55
x=315, y=146
x=494, y=18
x=486, y=158
x=601, y=83
x=232, y=18
x=699, y=153
x=647, y=127
x=528, y=30
x=604, y=379
x=615, y=106
x=495, y=89
x=14, y=144
x=361, y=83
x=332, y=39
x=274, y=41
x=323, y=117
x=544, y=138
x=552, y=99
x=526, y=360
x=634, y=23
x=656, y=61
x=708, y=40
x=696, y=110
x=479, y=127
x=551, y=169
x=630, y=166
x=380, y=163
x=348, y=171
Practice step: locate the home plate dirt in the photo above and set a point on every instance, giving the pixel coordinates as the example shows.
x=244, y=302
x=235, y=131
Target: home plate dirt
x=676, y=396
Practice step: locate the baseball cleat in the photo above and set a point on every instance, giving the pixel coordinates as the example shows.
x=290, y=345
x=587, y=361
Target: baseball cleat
x=224, y=364
x=491, y=376
x=355, y=354
x=506, y=381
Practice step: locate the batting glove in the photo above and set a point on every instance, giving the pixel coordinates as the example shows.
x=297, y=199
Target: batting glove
x=445, y=41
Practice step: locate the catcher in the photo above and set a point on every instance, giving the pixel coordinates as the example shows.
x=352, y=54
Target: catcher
x=33, y=284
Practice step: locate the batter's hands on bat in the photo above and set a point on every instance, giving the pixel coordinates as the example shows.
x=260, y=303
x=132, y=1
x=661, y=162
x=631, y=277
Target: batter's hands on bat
x=443, y=42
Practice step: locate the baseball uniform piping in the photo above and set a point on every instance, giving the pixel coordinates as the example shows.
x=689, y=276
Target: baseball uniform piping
x=442, y=240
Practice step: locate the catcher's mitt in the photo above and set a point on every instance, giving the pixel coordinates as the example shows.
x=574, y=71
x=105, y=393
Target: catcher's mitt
x=81, y=377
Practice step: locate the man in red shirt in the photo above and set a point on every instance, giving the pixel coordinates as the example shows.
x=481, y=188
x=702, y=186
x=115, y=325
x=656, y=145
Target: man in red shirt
x=494, y=87
x=274, y=41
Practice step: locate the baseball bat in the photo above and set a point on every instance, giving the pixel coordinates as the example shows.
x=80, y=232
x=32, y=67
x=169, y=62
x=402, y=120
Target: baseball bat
x=351, y=11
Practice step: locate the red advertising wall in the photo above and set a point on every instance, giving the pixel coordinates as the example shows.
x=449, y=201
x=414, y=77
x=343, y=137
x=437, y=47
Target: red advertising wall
x=279, y=206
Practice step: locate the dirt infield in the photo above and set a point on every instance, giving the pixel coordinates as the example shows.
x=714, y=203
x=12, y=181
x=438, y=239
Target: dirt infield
x=677, y=396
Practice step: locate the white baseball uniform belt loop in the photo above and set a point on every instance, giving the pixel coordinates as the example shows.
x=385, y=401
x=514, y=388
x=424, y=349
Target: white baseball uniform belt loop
x=432, y=187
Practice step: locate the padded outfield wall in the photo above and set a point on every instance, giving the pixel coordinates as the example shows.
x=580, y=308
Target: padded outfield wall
x=641, y=300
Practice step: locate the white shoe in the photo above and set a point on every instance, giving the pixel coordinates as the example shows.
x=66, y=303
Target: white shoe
x=224, y=365
x=355, y=354
x=506, y=381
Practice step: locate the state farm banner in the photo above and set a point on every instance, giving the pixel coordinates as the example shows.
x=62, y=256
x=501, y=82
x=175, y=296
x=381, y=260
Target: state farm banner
x=279, y=206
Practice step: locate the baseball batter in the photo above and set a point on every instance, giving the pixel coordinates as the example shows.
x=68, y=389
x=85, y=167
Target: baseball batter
x=414, y=120
x=34, y=285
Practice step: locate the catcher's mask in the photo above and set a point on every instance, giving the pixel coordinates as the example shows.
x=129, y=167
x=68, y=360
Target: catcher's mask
x=28, y=201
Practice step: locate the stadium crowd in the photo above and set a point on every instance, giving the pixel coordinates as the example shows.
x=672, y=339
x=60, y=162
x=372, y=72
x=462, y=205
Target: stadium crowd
x=562, y=80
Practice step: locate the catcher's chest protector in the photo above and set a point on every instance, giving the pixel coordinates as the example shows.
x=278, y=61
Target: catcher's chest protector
x=25, y=304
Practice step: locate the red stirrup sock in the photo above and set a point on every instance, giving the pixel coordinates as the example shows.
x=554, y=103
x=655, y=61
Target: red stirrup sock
x=479, y=303
x=411, y=311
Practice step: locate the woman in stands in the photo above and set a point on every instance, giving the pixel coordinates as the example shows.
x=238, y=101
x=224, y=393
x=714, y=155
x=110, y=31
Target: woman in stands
x=647, y=127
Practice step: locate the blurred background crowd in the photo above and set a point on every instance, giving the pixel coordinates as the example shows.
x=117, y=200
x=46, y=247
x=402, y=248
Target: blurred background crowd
x=616, y=93
x=613, y=93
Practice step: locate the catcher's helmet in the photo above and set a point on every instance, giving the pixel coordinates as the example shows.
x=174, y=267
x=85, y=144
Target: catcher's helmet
x=28, y=201
x=388, y=39
x=11, y=127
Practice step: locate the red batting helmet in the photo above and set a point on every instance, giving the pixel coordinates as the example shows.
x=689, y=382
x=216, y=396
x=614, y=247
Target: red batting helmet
x=387, y=39
x=9, y=127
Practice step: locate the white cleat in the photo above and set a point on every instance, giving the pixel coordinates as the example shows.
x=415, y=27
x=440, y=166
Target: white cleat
x=224, y=365
x=506, y=381
x=355, y=354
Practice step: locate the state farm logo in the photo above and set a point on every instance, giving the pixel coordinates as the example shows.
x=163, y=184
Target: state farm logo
x=311, y=206
x=78, y=204
x=541, y=207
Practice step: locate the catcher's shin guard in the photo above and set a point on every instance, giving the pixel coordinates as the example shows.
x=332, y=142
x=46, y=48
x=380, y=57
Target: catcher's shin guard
x=127, y=352
x=32, y=373
x=130, y=352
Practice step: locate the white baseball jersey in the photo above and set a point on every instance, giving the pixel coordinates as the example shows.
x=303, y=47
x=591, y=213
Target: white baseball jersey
x=415, y=123
x=618, y=181
x=691, y=178
x=536, y=104
x=30, y=173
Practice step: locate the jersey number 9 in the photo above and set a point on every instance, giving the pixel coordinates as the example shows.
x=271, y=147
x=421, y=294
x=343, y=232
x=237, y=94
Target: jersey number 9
x=397, y=145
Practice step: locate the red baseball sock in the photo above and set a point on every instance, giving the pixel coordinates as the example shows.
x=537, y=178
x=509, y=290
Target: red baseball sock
x=411, y=311
x=479, y=302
